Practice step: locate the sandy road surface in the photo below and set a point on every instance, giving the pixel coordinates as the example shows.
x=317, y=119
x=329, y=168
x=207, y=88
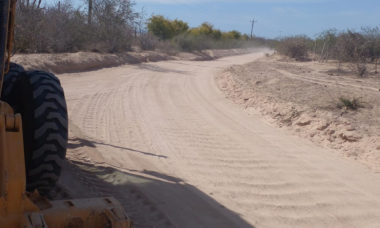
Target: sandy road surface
x=162, y=139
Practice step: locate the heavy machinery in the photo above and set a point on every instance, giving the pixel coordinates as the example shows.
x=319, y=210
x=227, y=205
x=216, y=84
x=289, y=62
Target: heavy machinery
x=33, y=139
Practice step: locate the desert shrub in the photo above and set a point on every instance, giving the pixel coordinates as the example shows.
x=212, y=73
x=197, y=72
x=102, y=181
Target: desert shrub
x=147, y=41
x=351, y=104
x=190, y=42
x=361, y=69
x=166, y=29
x=351, y=47
x=296, y=47
x=206, y=30
x=372, y=35
x=325, y=45
x=232, y=35
x=168, y=47
x=63, y=28
x=28, y=37
x=260, y=41
x=348, y=46
x=179, y=27
x=206, y=36
x=356, y=48
x=216, y=34
x=112, y=24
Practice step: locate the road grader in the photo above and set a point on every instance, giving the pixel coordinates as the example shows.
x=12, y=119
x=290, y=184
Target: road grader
x=33, y=141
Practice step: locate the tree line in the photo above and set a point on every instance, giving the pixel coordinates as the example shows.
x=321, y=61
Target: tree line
x=205, y=36
x=110, y=26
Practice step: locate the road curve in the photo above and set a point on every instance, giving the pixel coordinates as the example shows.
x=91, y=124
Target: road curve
x=165, y=129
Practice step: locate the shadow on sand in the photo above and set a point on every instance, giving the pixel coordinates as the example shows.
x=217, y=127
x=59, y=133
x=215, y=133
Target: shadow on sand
x=151, y=199
x=76, y=142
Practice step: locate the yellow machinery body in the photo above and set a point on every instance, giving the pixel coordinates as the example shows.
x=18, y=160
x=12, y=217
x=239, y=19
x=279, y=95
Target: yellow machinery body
x=21, y=209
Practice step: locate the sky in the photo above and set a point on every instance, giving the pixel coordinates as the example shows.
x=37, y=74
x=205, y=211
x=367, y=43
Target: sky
x=275, y=18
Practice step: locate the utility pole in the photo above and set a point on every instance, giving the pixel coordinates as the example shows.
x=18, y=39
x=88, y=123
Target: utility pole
x=253, y=24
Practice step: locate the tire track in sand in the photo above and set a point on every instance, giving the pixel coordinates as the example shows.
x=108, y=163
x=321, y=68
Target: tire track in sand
x=219, y=153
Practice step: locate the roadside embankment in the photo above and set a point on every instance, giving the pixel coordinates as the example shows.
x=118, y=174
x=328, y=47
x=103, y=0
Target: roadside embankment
x=87, y=61
x=313, y=100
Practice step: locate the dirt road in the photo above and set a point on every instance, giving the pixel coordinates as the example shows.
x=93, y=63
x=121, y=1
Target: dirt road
x=162, y=139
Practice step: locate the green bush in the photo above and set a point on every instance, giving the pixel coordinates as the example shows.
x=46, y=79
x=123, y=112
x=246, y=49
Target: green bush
x=166, y=29
x=206, y=30
x=232, y=35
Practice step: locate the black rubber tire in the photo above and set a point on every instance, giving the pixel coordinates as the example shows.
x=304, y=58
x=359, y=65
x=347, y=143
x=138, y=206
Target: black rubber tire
x=15, y=71
x=40, y=99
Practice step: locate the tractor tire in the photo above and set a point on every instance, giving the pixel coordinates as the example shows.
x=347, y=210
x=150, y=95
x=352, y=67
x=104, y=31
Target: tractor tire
x=10, y=79
x=39, y=98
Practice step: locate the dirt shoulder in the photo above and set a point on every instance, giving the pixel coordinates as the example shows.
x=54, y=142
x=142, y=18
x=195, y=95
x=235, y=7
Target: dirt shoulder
x=304, y=98
x=88, y=61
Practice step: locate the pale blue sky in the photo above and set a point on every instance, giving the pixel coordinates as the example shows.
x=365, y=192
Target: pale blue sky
x=275, y=17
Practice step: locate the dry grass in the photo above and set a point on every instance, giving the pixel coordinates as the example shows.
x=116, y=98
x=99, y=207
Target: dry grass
x=350, y=104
